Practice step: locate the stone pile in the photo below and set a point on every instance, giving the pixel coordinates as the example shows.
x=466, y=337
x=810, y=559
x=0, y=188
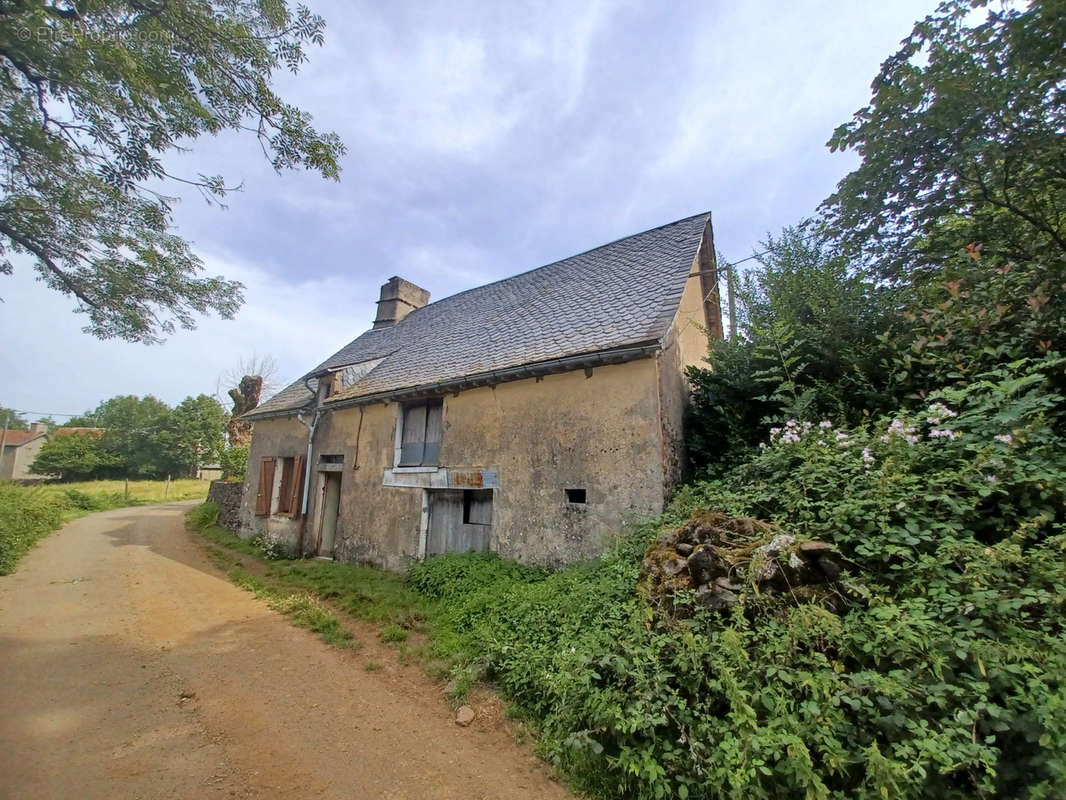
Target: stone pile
x=716, y=558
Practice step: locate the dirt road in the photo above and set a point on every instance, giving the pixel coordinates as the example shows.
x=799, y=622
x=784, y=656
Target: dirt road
x=130, y=668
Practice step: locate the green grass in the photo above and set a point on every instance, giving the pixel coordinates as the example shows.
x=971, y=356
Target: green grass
x=394, y=634
x=28, y=513
x=365, y=593
x=400, y=605
x=302, y=608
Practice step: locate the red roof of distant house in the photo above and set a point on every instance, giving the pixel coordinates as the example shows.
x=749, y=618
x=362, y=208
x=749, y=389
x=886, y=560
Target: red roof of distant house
x=17, y=438
x=74, y=431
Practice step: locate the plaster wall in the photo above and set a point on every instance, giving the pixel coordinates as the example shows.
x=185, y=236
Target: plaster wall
x=567, y=431
x=686, y=344
x=271, y=438
x=15, y=461
x=536, y=438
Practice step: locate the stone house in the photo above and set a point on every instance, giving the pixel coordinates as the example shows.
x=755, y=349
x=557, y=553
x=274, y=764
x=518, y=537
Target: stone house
x=20, y=448
x=532, y=416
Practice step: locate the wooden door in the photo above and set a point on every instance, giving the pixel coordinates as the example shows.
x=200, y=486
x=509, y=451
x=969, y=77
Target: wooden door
x=449, y=532
x=331, y=502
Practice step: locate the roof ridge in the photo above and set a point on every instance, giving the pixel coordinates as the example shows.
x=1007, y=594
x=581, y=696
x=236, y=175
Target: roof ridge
x=557, y=261
x=634, y=284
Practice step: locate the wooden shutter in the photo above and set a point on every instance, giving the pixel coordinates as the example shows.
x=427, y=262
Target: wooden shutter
x=434, y=427
x=265, y=490
x=297, y=495
x=413, y=443
x=285, y=487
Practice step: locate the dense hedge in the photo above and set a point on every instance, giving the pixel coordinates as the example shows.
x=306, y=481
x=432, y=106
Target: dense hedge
x=947, y=681
x=25, y=516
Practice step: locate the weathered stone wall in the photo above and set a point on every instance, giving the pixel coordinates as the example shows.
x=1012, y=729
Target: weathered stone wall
x=271, y=438
x=600, y=433
x=227, y=496
x=615, y=432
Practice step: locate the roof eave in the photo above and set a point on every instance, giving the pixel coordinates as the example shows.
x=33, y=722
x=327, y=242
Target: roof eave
x=599, y=358
x=252, y=416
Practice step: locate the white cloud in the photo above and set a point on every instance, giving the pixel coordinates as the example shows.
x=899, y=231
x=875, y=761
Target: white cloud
x=484, y=139
x=52, y=366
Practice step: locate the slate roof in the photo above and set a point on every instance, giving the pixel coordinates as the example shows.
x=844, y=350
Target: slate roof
x=623, y=293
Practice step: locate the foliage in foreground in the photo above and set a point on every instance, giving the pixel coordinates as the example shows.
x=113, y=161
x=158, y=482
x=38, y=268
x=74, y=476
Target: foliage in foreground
x=949, y=681
x=92, y=98
x=25, y=516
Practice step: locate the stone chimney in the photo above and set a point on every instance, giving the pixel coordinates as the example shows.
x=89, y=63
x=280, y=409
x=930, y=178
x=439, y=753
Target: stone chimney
x=38, y=428
x=398, y=299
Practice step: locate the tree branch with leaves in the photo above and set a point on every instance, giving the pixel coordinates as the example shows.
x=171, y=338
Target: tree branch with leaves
x=92, y=97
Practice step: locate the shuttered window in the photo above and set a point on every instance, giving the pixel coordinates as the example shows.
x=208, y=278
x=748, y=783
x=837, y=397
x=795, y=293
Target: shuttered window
x=296, y=493
x=421, y=435
x=265, y=490
x=285, y=490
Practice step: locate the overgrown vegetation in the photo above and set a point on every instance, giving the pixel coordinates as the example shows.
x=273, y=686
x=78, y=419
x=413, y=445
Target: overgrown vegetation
x=897, y=392
x=234, y=462
x=29, y=512
x=25, y=516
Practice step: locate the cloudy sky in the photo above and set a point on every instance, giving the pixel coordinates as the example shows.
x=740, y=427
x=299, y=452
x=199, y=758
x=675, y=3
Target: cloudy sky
x=483, y=140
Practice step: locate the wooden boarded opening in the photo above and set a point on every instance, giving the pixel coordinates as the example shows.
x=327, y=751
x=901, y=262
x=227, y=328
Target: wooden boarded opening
x=460, y=521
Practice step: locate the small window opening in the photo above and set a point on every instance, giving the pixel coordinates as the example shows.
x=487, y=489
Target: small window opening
x=331, y=459
x=576, y=496
x=477, y=506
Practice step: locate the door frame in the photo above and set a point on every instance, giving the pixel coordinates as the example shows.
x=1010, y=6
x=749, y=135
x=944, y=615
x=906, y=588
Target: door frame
x=320, y=508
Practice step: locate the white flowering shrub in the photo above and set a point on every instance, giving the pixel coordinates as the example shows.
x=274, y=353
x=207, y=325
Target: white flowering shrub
x=272, y=545
x=951, y=682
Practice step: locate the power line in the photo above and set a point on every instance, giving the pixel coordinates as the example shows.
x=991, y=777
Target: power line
x=730, y=264
x=45, y=413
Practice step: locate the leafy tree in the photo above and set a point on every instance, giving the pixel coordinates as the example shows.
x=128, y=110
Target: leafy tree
x=132, y=426
x=810, y=346
x=86, y=420
x=92, y=96
x=79, y=456
x=192, y=436
x=15, y=421
x=962, y=142
x=234, y=462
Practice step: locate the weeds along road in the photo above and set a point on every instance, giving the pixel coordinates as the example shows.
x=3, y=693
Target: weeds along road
x=131, y=668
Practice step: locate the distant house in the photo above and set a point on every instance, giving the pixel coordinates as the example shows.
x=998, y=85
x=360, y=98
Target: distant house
x=209, y=472
x=20, y=448
x=531, y=416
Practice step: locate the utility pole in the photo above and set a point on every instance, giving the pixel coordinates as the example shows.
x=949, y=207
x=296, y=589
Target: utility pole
x=3, y=439
x=730, y=289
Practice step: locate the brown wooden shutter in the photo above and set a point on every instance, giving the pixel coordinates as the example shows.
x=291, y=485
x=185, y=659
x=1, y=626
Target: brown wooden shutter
x=285, y=487
x=297, y=496
x=265, y=490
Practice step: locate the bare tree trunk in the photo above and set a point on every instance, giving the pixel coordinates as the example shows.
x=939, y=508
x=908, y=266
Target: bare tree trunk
x=245, y=397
